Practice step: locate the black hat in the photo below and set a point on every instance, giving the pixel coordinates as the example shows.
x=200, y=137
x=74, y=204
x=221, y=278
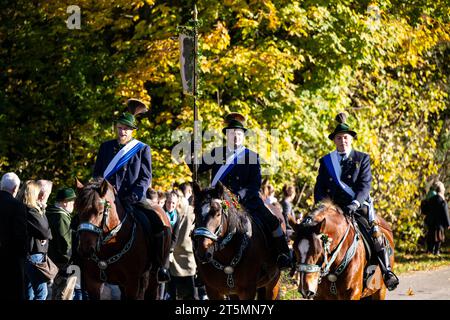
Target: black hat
x=342, y=127
x=234, y=120
x=135, y=107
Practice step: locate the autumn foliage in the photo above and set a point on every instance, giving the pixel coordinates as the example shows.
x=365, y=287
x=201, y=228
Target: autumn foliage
x=286, y=65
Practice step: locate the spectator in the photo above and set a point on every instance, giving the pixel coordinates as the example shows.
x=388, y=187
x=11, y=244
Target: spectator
x=182, y=262
x=269, y=195
x=286, y=204
x=45, y=191
x=186, y=188
x=437, y=218
x=39, y=235
x=152, y=197
x=162, y=198
x=59, y=217
x=13, y=239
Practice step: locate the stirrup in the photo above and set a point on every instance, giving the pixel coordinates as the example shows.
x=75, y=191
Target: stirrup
x=163, y=275
x=391, y=280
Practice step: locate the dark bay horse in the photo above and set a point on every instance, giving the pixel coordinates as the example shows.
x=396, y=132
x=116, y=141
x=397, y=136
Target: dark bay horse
x=113, y=246
x=331, y=258
x=232, y=253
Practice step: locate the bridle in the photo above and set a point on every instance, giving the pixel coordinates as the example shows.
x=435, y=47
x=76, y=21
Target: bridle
x=220, y=243
x=103, y=238
x=324, y=268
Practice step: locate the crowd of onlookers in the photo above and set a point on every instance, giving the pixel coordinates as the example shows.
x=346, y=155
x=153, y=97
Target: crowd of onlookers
x=32, y=230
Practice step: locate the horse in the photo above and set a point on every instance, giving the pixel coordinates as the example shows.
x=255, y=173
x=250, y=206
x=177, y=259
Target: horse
x=232, y=252
x=113, y=245
x=331, y=259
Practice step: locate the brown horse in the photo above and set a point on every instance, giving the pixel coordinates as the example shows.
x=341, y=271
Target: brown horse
x=232, y=253
x=331, y=257
x=113, y=245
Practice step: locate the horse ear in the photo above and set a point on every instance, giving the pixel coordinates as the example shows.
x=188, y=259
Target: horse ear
x=104, y=188
x=79, y=184
x=196, y=188
x=220, y=189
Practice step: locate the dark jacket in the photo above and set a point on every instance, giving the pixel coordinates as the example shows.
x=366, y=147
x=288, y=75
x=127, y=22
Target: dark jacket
x=246, y=174
x=38, y=231
x=134, y=177
x=13, y=247
x=13, y=226
x=356, y=174
x=436, y=211
x=60, y=246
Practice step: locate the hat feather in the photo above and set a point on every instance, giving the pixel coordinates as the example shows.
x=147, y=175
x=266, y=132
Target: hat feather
x=136, y=106
x=341, y=117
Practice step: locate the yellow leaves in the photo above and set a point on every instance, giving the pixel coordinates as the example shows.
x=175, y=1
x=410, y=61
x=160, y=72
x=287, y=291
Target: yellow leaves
x=271, y=15
x=217, y=40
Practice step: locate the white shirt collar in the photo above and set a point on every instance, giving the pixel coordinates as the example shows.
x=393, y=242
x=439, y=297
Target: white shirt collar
x=347, y=154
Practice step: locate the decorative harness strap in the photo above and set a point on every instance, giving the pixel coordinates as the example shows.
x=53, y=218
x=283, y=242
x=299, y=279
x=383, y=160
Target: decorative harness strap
x=229, y=270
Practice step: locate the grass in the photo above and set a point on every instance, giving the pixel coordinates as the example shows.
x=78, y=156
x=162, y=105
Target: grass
x=405, y=263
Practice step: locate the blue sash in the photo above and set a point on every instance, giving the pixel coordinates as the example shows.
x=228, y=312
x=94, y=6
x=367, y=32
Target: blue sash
x=229, y=165
x=122, y=157
x=334, y=169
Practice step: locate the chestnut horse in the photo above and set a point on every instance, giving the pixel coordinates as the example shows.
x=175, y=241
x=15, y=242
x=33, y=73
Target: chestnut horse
x=233, y=256
x=113, y=245
x=331, y=257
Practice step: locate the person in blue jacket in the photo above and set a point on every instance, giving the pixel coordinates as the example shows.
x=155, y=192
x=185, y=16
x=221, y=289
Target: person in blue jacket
x=238, y=168
x=126, y=163
x=345, y=178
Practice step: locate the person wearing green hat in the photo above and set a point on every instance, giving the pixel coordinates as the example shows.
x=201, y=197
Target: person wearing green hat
x=59, y=216
x=345, y=177
x=238, y=168
x=126, y=163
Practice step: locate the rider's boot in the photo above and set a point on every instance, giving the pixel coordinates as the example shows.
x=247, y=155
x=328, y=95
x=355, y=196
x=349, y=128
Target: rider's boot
x=283, y=252
x=390, y=279
x=162, y=257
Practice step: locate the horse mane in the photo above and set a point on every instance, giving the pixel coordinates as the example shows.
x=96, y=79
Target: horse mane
x=87, y=197
x=238, y=217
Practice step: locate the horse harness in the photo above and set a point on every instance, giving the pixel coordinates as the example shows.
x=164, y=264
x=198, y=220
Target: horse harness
x=101, y=239
x=220, y=244
x=326, y=265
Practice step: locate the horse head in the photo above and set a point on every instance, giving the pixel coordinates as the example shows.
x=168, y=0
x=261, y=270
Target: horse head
x=315, y=238
x=215, y=211
x=97, y=206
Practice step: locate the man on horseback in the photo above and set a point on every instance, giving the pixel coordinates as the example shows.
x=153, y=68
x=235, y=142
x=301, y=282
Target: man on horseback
x=126, y=163
x=238, y=168
x=345, y=177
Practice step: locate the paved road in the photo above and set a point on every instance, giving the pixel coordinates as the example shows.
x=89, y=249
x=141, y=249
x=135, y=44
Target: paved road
x=423, y=285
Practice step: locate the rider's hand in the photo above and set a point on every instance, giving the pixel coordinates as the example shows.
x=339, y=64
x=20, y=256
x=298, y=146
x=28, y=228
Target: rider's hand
x=352, y=207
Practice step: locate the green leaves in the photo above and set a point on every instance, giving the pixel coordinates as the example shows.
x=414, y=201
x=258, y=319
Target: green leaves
x=286, y=65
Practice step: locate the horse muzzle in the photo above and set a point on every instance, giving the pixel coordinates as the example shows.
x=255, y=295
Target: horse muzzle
x=204, y=250
x=307, y=294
